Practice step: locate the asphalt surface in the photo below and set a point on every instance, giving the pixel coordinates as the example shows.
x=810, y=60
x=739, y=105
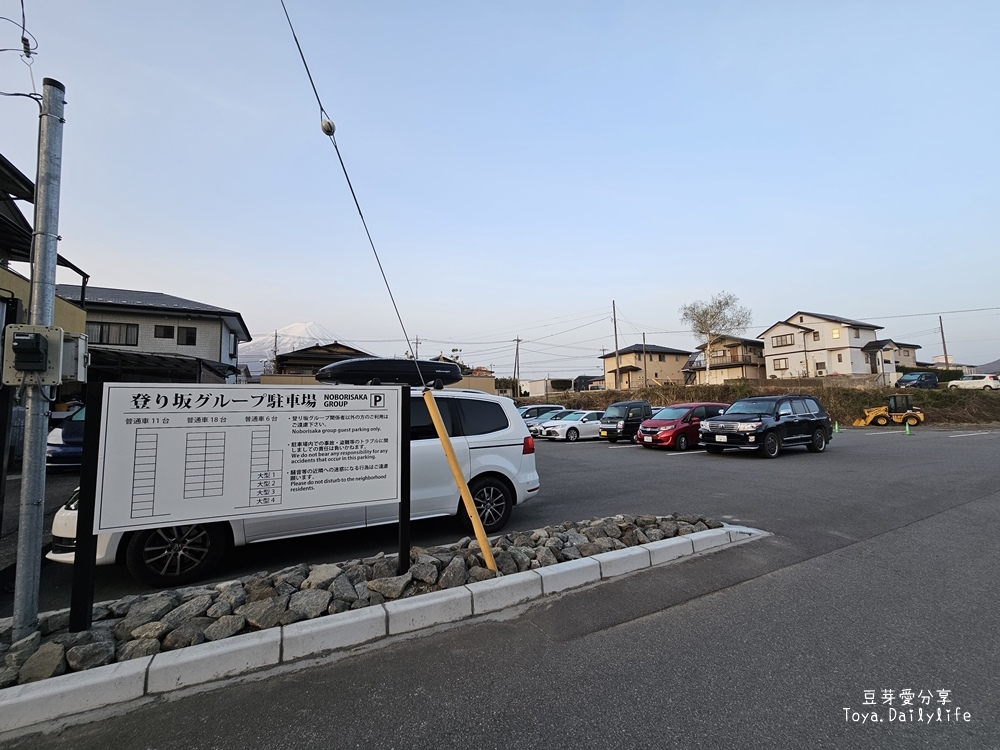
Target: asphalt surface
x=881, y=576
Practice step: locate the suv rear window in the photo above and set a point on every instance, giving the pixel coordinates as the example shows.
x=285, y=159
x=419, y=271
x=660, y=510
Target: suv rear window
x=481, y=417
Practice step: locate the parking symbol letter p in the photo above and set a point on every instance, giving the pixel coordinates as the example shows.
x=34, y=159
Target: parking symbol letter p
x=377, y=400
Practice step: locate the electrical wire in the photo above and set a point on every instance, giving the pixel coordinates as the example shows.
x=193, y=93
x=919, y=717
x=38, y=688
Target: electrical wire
x=329, y=130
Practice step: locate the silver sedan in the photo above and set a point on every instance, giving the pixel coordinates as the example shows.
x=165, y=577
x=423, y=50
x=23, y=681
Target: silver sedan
x=578, y=425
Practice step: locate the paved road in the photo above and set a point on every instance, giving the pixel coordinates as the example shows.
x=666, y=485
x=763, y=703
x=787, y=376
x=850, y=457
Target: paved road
x=881, y=576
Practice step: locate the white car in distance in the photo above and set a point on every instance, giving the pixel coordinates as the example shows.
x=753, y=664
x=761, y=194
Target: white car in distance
x=977, y=382
x=577, y=425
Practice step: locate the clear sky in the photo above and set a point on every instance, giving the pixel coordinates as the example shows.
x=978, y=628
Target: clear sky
x=521, y=165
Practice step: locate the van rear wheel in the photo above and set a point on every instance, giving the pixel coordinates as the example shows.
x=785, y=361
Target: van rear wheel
x=175, y=555
x=494, y=501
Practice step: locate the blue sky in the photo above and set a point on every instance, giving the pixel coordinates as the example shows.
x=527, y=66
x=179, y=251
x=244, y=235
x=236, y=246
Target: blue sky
x=522, y=165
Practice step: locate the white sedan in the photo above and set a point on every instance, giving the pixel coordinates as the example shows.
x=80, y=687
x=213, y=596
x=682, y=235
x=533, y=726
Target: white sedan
x=977, y=382
x=575, y=426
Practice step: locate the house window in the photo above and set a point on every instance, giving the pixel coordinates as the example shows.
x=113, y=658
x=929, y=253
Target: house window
x=187, y=336
x=857, y=332
x=163, y=332
x=815, y=335
x=781, y=364
x=836, y=333
x=118, y=334
x=906, y=352
x=662, y=358
x=718, y=353
x=787, y=340
x=820, y=366
x=840, y=357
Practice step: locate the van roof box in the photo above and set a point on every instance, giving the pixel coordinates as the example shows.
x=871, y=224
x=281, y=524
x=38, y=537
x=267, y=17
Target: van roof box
x=378, y=370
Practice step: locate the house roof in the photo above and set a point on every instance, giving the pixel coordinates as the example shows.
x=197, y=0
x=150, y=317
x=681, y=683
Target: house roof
x=138, y=301
x=880, y=344
x=731, y=341
x=782, y=323
x=15, y=230
x=838, y=319
x=648, y=349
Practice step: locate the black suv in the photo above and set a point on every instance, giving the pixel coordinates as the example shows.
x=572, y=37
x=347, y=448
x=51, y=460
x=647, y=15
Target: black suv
x=769, y=424
x=621, y=420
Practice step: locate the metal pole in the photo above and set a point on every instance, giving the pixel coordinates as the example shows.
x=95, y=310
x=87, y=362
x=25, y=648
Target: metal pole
x=618, y=356
x=944, y=346
x=40, y=313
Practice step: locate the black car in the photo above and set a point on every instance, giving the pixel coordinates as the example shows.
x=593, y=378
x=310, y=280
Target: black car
x=621, y=420
x=769, y=424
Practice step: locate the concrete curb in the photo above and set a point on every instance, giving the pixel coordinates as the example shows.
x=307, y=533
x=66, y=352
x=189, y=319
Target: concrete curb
x=23, y=706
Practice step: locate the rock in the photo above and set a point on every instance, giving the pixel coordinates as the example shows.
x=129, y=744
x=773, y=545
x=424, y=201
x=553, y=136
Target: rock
x=590, y=548
x=521, y=560
x=90, y=655
x=193, y=608
x=137, y=649
x=262, y=614
x=234, y=596
x=219, y=609
x=505, y=563
x=385, y=568
x=425, y=572
x=155, y=630
x=260, y=592
x=224, y=627
x=20, y=651
x=390, y=588
x=53, y=621
x=456, y=574
x=343, y=589
x=69, y=640
x=686, y=518
x=700, y=526
x=480, y=574
x=8, y=677
x=669, y=528
x=544, y=556
x=121, y=607
x=339, y=605
x=654, y=534
x=142, y=612
x=569, y=553
x=684, y=529
x=189, y=633
x=712, y=523
x=310, y=603
x=48, y=661
x=321, y=576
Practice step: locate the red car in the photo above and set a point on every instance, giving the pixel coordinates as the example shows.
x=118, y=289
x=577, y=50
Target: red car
x=676, y=426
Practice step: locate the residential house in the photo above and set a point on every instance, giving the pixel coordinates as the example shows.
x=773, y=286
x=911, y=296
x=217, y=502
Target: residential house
x=15, y=247
x=300, y=366
x=137, y=336
x=643, y=364
x=729, y=358
x=815, y=345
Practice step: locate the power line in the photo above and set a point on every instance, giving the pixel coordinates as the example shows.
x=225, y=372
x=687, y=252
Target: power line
x=329, y=129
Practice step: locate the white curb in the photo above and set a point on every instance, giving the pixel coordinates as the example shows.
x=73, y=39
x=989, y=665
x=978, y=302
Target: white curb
x=506, y=591
x=311, y=637
x=23, y=706
x=621, y=561
x=435, y=608
x=26, y=705
x=215, y=660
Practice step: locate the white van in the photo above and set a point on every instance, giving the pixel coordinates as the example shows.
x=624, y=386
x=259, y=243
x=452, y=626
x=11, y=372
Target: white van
x=491, y=442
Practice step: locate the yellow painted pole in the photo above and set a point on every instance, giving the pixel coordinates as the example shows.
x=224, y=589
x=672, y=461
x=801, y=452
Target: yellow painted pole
x=463, y=487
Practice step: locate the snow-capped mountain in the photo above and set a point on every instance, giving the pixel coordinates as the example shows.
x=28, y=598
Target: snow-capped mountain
x=255, y=354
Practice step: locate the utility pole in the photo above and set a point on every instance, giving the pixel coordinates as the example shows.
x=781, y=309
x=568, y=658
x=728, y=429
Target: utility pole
x=517, y=368
x=944, y=346
x=618, y=356
x=645, y=375
x=41, y=312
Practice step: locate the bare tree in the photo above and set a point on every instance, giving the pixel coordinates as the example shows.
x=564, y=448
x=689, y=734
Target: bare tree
x=710, y=321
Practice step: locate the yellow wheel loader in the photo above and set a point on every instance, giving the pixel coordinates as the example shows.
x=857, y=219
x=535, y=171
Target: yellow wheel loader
x=899, y=410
